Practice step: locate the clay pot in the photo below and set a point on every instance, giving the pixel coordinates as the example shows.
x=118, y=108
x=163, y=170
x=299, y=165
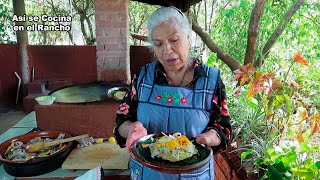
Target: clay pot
x=35, y=166
x=193, y=163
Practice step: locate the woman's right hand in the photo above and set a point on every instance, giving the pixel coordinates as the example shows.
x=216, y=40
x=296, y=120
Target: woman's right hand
x=136, y=131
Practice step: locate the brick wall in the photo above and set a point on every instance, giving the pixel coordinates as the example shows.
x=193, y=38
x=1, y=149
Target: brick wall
x=112, y=31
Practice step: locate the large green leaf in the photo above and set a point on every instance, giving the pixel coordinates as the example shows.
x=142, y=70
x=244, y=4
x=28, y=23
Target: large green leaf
x=288, y=103
x=289, y=158
x=273, y=173
x=303, y=173
x=245, y=154
x=253, y=102
x=281, y=167
x=304, y=147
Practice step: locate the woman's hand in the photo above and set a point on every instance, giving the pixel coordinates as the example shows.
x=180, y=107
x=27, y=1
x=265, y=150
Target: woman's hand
x=210, y=138
x=136, y=131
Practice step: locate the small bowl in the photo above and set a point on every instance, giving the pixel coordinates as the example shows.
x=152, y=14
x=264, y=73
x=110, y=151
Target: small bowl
x=45, y=100
x=112, y=92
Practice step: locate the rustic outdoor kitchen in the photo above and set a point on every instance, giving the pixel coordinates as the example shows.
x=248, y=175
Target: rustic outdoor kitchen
x=109, y=64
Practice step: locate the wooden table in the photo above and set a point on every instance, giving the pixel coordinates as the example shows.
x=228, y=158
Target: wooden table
x=27, y=124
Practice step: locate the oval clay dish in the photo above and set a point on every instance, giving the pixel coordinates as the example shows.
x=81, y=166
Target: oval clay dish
x=35, y=166
x=184, y=166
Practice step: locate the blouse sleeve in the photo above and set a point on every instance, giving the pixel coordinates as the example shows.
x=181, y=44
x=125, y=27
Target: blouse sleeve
x=220, y=118
x=127, y=111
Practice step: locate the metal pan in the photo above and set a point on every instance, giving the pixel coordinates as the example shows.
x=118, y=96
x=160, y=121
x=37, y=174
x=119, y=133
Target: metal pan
x=84, y=93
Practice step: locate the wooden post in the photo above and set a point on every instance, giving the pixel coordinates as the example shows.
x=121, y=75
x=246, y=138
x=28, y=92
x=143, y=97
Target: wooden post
x=22, y=39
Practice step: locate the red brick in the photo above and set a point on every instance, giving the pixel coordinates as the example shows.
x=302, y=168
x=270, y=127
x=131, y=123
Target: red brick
x=115, y=32
x=107, y=53
x=110, y=16
x=102, y=39
x=116, y=40
x=118, y=7
x=118, y=24
x=118, y=54
x=124, y=2
x=100, y=47
x=99, y=3
x=107, y=63
x=124, y=16
x=99, y=32
x=101, y=7
x=124, y=46
x=112, y=47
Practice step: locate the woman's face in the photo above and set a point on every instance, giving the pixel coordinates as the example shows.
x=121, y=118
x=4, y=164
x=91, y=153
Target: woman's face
x=171, y=46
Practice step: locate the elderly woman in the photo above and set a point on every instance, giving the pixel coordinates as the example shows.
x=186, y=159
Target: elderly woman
x=176, y=93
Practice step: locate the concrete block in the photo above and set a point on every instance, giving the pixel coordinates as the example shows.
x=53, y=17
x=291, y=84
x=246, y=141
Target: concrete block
x=59, y=83
x=35, y=87
x=29, y=102
x=96, y=119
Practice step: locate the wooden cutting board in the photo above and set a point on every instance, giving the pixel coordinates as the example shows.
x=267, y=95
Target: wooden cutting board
x=109, y=156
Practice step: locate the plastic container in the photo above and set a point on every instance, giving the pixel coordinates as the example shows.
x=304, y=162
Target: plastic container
x=45, y=100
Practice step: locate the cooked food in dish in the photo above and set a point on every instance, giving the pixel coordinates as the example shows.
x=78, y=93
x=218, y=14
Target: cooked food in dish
x=16, y=150
x=118, y=95
x=173, y=148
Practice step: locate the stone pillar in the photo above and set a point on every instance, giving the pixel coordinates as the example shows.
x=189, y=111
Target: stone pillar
x=112, y=31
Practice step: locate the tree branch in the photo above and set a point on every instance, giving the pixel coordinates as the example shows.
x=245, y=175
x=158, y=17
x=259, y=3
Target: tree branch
x=280, y=28
x=232, y=63
x=211, y=14
x=253, y=31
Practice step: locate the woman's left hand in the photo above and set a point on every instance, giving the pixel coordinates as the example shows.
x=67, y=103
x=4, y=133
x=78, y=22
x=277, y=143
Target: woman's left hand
x=210, y=138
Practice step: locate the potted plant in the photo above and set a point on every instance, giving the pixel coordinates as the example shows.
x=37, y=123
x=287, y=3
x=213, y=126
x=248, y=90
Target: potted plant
x=278, y=126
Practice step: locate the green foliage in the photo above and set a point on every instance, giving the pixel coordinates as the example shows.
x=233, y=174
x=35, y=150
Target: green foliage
x=7, y=35
x=265, y=122
x=230, y=25
x=139, y=14
x=285, y=162
x=274, y=120
x=50, y=8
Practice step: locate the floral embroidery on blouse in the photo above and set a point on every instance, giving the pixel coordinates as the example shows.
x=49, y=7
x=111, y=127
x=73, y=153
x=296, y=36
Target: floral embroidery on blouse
x=175, y=97
x=224, y=108
x=123, y=108
x=184, y=100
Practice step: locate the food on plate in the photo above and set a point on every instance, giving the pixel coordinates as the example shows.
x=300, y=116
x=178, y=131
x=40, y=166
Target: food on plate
x=85, y=142
x=173, y=148
x=16, y=151
x=119, y=95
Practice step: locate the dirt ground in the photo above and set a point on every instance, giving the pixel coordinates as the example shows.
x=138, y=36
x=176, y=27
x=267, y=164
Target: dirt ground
x=9, y=116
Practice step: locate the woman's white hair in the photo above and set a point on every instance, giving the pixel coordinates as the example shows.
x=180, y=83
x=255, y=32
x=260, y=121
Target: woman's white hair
x=170, y=15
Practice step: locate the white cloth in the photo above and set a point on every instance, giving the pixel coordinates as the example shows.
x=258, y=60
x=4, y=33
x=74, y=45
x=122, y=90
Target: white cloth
x=93, y=174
